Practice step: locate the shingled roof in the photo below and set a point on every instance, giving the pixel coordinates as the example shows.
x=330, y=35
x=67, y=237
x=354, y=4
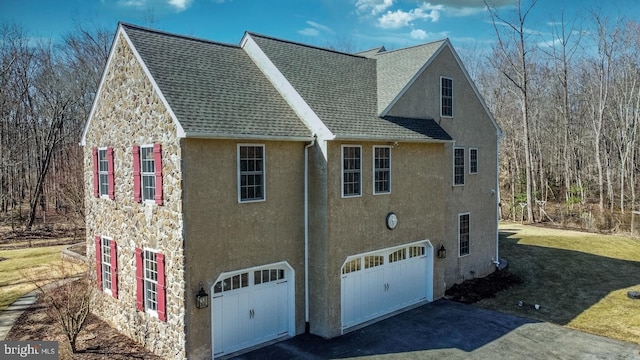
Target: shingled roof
x=342, y=89
x=396, y=69
x=214, y=89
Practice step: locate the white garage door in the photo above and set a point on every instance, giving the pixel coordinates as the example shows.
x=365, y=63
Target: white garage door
x=377, y=283
x=252, y=306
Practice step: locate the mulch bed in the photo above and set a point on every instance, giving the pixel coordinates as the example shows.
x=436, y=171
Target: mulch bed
x=97, y=340
x=473, y=290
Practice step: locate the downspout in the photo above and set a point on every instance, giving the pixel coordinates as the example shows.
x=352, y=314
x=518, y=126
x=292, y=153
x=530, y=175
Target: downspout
x=306, y=234
x=497, y=194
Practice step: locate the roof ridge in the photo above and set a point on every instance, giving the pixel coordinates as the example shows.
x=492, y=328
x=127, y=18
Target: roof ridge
x=414, y=46
x=305, y=45
x=166, y=33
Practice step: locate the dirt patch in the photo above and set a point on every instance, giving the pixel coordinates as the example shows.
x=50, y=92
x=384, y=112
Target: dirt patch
x=97, y=340
x=474, y=290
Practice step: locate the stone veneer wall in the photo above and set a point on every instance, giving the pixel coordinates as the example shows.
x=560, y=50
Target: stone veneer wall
x=130, y=112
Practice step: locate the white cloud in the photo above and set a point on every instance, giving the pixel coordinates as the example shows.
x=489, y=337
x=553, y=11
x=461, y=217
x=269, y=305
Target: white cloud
x=418, y=34
x=320, y=27
x=465, y=11
x=399, y=18
x=180, y=5
x=374, y=7
x=309, y=32
x=177, y=5
x=315, y=29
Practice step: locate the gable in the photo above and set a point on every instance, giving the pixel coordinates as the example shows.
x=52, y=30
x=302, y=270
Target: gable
x=471, y=119
x=420, y=96
x=398, y=68
x=341, y=89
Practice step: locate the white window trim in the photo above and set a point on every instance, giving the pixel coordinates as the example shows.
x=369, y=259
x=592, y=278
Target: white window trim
x=460, y=215
x=264, y=174
x=106, y=154
x=151, y=312
x=440, y=97
x=342, y=171
x=147, y=201
x=110, y=290
x=373, y=167
x=453, y=163
x=477, y=167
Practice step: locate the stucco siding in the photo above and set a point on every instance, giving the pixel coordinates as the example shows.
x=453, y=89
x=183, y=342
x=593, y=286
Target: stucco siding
x=224, y=235
x=129, y=112
x=358, y=224
x=470, y=127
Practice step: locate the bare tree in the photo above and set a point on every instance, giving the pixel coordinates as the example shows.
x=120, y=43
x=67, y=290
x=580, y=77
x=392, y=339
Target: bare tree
x=67, y=297
x=514, y=50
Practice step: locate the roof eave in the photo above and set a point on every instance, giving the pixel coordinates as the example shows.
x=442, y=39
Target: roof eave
x=223, y=136
x=392, y=139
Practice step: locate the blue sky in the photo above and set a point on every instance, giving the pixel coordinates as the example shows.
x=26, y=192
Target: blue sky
x=356, y=24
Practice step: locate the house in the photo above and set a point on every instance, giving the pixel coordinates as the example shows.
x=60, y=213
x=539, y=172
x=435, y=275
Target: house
x=293, y=187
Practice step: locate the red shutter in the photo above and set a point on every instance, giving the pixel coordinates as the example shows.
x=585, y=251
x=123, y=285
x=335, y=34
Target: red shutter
x=162, y=303
x=139, y=280
x=157, y=160
x=137, y=196
x=110, y=173
x=114, y=268
x=96, y=176
x=99, y=262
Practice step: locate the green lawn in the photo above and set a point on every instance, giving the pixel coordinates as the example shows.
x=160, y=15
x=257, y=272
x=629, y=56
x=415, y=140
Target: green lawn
x=22, y=266
x=579, y=279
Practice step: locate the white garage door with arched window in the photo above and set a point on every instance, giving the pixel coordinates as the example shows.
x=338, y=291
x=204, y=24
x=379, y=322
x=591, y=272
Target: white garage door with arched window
x=252, y=306
x=383, y=281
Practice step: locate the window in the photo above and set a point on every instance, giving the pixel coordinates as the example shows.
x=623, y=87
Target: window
x=106, y=265
x=463, y=234
x=351, y=169
x=147, y=173
x=150, y=283
x=103, y=173
x=251, y=173
x=103, y=184
x=147, y=165
x=381, y=169
x=351, y=266
x=458, y=166
x=446, y=96
x=473, y=161
x=398, y=255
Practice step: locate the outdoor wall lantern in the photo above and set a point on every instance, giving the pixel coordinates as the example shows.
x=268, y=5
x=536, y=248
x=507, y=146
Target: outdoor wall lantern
x=202, y=298
x=442, y=252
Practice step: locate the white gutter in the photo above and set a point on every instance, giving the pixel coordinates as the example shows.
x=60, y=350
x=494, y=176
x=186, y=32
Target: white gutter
x=306, y=234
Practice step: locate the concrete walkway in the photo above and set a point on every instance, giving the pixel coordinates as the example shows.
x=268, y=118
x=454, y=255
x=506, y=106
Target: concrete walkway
x=9, y=316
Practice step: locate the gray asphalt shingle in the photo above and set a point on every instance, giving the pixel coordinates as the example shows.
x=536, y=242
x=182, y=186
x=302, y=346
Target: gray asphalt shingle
x=342, y=89
x=396, y=68
x=214, y=88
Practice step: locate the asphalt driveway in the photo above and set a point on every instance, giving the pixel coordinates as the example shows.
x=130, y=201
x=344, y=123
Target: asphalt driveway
x=448, y=330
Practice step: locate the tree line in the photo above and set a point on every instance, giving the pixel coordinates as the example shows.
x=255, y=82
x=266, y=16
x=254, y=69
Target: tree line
x=567, y=99
x=566, y=93
x=46, y=93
